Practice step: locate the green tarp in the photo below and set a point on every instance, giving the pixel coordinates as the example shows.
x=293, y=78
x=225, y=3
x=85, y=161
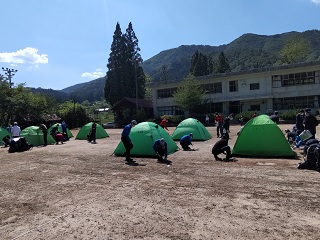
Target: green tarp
x=84, y=131
x=191, y=125
x=70, y=135
x=261, y=137
x=34, y=136
x=143, y=136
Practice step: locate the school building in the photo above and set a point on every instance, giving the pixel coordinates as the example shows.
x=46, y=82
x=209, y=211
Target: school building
x=280, y=88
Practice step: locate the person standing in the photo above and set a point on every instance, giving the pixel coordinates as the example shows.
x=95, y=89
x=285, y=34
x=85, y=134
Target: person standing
x=161, y=148
x=226, y=123
x=299, y=121
x=44, y=130
x=15, y=130
x=275, y=117
x=93, y=130
x=219, y=121
x=207, y=120
x=64, y=127
x=222, y=147
x=310, y=123
x=126, y=139
x=185, y=141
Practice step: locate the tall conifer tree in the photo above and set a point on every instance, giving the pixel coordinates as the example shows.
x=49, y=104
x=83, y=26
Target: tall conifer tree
x=123, y=65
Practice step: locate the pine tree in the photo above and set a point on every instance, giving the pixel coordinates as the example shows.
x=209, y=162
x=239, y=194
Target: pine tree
x=133, y=64
x=201, y=64
x=223, y=64
x=115, y=81
x=123, y=67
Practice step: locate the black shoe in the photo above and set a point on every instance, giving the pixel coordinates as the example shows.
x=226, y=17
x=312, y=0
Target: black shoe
x=218, y=159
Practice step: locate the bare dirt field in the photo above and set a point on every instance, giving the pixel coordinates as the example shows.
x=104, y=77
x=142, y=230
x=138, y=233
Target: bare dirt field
x=80, y=190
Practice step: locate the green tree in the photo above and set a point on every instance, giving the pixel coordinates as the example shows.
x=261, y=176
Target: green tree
x=73, y=113
x=189, y=95
x=222, y=64
x=148, y=92
x=164, y=77
x=124, y=70
x=296, y=49
x=201, y=64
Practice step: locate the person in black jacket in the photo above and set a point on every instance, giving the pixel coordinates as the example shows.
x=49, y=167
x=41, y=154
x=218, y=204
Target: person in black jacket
x=222, y=147
x=310, y=123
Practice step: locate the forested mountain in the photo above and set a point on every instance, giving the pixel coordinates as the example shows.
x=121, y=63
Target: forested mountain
x=91, y=91
x=244, y=53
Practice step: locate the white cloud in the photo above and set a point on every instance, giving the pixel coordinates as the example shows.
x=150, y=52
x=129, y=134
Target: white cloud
x=27, y=55
x=93, y=75
x=316, y=2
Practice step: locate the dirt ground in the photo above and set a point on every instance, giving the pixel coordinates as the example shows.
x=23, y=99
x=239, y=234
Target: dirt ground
x=80, y=190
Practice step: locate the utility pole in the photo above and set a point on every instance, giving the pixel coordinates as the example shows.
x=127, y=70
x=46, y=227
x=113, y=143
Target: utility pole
x=10, y=73
x=136, y=62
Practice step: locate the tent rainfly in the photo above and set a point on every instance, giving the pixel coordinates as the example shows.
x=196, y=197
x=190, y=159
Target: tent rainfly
x=84, y=131
x=143, y=136
x=261, y=137
x=191, y=125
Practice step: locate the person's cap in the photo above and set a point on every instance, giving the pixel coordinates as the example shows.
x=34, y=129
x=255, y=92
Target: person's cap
x=191, y=134
x=287, y=130
x=216, y=113
x=162, y=141
x=15, y=123
x=276, y=112
x=134, y=122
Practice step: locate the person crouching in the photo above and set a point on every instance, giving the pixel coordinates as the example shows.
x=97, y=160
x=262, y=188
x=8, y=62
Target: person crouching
x=222, y=147
x=161, y=149
x=185, y=141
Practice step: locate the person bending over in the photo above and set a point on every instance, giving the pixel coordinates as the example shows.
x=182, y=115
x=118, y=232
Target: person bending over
x=126, y=139
x=161, y=148
x=222, y=147
x=185, y=141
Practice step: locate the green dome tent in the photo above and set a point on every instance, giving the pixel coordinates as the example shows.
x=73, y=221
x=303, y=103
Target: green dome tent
x=3, y=132
x=191, y=125
x=143, y=136
x=84, y=131
x=261, y=137
x=34, y=136
x=70, y=135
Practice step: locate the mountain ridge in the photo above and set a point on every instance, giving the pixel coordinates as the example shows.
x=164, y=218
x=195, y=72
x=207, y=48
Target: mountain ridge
x=248, y=51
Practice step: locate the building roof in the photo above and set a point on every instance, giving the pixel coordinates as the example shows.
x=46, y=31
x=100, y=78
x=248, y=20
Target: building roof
x=126, y=101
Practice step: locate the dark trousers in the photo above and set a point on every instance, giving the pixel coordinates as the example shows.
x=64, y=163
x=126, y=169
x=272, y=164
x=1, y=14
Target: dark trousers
x=226, y=149
x=161, y=152
x=45, y=137
x=219, y=130
x=128, y=146
x=185, y=145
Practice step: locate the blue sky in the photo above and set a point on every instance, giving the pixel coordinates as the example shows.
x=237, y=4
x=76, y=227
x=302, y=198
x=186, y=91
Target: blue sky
x=57, y=44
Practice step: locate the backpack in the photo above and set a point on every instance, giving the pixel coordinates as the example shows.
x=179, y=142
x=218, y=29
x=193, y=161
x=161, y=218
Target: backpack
x=312, y=158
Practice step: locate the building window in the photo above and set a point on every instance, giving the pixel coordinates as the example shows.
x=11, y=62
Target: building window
x=169, y=110
x=255, y=107
x=217, y=87
x=296, y=102
x=166, y=93
x=233, y=86
x=212, y=87
x=295, y=79
x=254, y=86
